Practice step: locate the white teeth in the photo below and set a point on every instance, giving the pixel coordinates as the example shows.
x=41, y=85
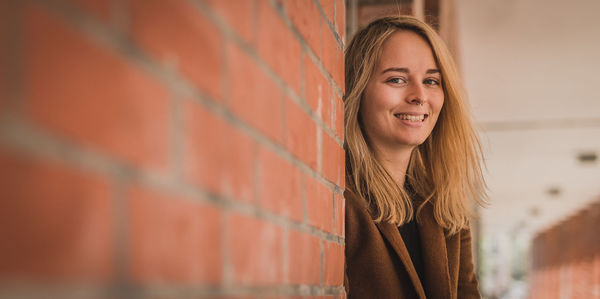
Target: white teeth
x=410, y=117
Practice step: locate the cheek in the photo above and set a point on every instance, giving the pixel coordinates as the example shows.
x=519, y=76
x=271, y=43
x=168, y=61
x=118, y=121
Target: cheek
x=369, y=108
x=379, y=96
x=438, y=115
x=370, y=120
x=436, y=106
x=438, y=103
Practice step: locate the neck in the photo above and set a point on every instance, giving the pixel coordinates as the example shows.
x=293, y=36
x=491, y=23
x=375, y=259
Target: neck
x=395, y=162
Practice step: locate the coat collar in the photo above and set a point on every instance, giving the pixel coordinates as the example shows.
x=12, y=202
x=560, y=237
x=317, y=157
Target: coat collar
x=435, y=258
x=391, y=233
x=435, y=255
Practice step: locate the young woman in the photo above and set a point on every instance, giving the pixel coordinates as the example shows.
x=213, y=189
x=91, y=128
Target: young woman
x=412, y=166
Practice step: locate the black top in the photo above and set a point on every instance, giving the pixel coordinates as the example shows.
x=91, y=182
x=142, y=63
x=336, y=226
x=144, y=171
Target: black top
x=412, y=240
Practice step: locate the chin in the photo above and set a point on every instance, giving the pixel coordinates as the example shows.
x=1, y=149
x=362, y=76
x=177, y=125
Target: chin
x=412, y=142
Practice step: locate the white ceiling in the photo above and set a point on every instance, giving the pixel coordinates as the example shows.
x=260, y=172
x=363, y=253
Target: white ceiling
x=531, y=72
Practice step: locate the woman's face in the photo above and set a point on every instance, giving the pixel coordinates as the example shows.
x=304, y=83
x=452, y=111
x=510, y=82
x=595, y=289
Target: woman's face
x=404, y=96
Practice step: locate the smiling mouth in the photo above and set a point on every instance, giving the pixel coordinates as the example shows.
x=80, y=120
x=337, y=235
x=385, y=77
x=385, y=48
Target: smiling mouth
x=413, y=118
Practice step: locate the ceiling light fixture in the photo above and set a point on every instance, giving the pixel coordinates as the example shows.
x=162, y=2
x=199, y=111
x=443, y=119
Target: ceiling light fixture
x=553, y=191
x=587, y=157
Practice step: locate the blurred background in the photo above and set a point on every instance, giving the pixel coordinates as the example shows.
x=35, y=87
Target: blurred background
x=193, y=148
x=529, y=68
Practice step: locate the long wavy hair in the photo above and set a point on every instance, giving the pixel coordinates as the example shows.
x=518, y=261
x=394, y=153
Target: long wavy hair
x=446, y=169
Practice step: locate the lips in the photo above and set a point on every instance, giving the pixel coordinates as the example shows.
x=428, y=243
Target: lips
x=411, y=117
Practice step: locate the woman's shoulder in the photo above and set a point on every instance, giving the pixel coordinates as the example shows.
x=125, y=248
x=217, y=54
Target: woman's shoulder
x=349, y=194
x=353, y=200
x=356, y=205
x=358, y=221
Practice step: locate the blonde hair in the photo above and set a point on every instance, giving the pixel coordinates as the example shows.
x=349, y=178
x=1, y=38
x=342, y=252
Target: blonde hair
x=445, y=170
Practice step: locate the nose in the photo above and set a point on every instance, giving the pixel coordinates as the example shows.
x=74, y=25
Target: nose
x=416, y=94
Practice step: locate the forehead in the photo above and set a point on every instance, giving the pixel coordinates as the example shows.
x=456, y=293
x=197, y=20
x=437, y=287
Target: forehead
x=405, y=48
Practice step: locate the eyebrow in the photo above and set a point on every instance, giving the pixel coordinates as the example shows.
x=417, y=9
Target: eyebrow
x=405, y=70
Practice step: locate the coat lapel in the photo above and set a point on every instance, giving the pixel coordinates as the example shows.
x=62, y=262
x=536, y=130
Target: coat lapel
x=435, y=257
x=391, y=233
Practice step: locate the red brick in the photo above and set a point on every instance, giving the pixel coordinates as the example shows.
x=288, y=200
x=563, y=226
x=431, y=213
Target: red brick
x=318, y=90
x=340, y=18
x=55, y=222
x=333, y=59
x=280, y=186
x=173, y=32
x=338, y=75
x=254, y=96
x=333, y=160
x=304, y=258
x=301, y=134
x=596, y=269
x=327, y=6
x=238, y=14
x=97, y=99
x=339, y=209
x=319, y=203
x=307, y=19
x=217, y=156
x=173, y=239
x=333, y=264
x=256, y=251
x=339, y=117
x=98, y=8
x=278, y=46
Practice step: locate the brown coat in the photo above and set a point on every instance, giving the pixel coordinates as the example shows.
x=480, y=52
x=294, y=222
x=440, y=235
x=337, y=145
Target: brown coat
x=378, y=264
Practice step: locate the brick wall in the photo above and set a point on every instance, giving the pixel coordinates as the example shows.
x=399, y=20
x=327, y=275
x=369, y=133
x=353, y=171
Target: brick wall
x=566, y=258
x=171, y=149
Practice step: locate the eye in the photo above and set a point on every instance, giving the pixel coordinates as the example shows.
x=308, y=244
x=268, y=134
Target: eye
x=432, y=82
x=396, y=80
